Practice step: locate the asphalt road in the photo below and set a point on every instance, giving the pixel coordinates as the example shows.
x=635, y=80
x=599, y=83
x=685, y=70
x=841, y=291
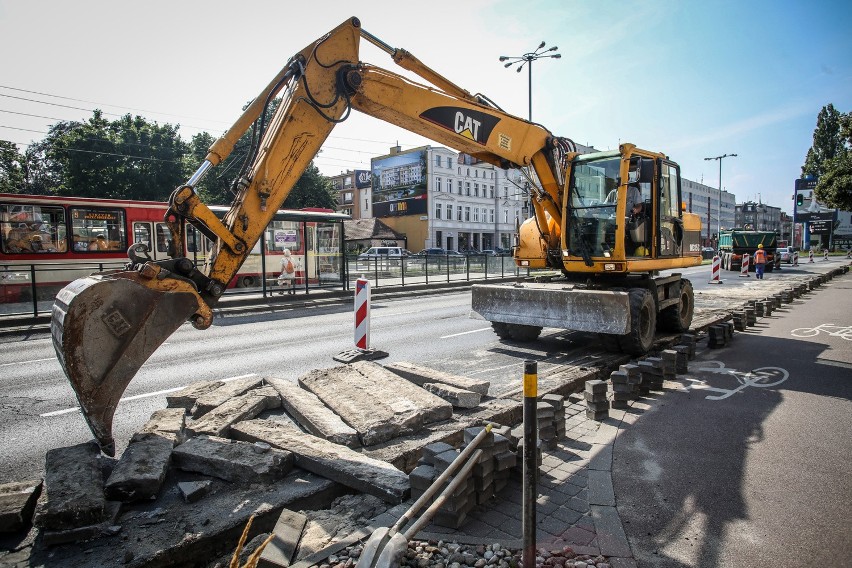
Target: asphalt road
x=749, y=470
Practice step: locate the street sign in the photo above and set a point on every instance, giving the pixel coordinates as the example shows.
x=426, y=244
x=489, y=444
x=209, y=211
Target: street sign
x=821, y=227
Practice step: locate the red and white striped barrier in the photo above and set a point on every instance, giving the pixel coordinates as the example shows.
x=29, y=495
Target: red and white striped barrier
x=744, y=267
x=716, y=270
x=362, y=314
x=796, y=258
x=810, y=256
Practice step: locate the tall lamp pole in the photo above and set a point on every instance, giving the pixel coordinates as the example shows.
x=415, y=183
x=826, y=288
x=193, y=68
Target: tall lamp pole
x=527, y=59
x=720, y=158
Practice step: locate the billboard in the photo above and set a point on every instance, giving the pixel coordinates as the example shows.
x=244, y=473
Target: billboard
x=362, y=179
x=399, y=185
x=806, y=207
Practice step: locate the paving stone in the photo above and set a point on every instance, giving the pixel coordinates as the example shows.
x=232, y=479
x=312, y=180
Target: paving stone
x=595, y=386
x=333, y=461
x=420, y=375
x=193, y=491
x=577, y=535
x=188, y=396
x=167, y=423
x=314, y=416
x=610, y=533
x=218, y=421
x=107, y=525
x=17, y=503
x=234, y=461
x=140, y=472
x=600, y=488
x=74, y=488
x=377, y=403
x=288, y=530
x=422, y=477
x=224, y=393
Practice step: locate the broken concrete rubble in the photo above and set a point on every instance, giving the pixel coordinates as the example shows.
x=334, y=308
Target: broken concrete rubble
x=207, y=402
x=192, y=491
x=188, y=396
x=378, y=404
x=74, y=488
x=17, y=503
x=167, y=423
x=288, y=531
x=459, y=398
x=336, y=462
x=232, y=460
x=314, y=416
x=218, y=421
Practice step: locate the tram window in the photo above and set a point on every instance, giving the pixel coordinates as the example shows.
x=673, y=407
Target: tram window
x=283, y=234
x=98, y=230
x=26, y=229
x=142, y=234
x=163, y=237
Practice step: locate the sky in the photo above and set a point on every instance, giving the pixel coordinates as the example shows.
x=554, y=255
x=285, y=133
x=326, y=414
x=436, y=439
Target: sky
x=690, y=79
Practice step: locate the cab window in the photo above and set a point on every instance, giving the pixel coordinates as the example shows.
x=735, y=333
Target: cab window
x=97, y=230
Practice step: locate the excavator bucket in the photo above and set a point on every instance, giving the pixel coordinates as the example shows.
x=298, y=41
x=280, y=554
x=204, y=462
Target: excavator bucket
x=105, y=326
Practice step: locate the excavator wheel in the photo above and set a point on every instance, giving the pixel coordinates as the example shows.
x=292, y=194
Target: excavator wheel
x=610, y=342
x=678, y=318
x=524, y=333
x=643, y=323
x=501, y=329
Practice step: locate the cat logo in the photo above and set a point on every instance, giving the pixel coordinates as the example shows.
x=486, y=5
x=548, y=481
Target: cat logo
x=472, y=124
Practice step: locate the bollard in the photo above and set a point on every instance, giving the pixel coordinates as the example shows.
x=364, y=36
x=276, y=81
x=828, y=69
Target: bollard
x=825, y=254
x=796, y=258
x=716, y=270
x=744, y=267
x=362, y=314
x=810, y=256
x=530, y=460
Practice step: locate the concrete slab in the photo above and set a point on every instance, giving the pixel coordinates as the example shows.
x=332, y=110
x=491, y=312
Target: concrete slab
x=187, y=397
x=17, y=503
x=378, y=404
x=314, y=416
x=223, y=393
x=140, y=472
x=287, y=531
x=74, y=488
x=231, y=460
x=218, y=421
x=459, y=398
x=167, y=423
x=420, y=375
x=336, y=462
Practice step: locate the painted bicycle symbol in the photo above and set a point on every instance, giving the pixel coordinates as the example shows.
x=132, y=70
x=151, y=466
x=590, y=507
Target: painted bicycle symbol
x=762, y=377
x=829, y=328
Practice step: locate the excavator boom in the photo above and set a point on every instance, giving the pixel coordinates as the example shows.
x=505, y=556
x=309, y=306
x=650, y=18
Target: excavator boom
x=107, y=325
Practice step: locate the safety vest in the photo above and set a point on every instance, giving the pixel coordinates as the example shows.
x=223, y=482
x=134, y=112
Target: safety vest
x=760, y=256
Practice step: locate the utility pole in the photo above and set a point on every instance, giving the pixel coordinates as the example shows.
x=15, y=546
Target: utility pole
x=720, y=158
x=527, y=59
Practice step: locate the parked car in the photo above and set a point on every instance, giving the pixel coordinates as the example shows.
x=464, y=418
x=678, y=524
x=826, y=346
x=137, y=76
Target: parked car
x=395, y=253
x=786, y=254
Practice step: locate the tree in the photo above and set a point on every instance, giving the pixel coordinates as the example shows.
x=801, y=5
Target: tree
x=312, y=190
x=11, y=168
x=830, y=159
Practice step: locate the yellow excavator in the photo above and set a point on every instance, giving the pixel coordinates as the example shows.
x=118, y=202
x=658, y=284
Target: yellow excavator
x=105, y=326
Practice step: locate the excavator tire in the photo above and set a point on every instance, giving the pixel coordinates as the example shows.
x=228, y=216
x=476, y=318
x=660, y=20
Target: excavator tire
x=678, y=318
x=501, y=329
x=524, y=333
x=643, y=323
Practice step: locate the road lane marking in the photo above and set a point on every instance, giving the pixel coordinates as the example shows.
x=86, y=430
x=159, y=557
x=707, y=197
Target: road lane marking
x=31, y=361
x=139, y=396
x=465, y=333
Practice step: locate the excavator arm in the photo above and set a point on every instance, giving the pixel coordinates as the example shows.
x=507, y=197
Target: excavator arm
x=107, y=325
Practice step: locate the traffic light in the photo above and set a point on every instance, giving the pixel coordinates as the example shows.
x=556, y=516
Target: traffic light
x=800, y=199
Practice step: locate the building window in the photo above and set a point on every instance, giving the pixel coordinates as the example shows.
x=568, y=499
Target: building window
x=449, y=163
x=467, y=213
x=439, y=239
x=437, y=184
x=437, y=211
x=347, y=197
x=490, y=215
x=505, y=192
x=450, y=185
x=459, y=210
x=476, y=189
x=467, y=188
x=438, y=160
x=476, y=214
x=505, y=215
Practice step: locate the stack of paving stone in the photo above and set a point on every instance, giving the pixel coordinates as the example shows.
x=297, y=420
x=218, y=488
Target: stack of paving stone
x=669, y=357
x=505, y=460
x=597, y=405
x=688, y=339
x=739, y=318
x=557, y=401
x=652, y=373
x=718, y=336
x=751, y=316
x=634, y=379
x=622, y=390
x=545, y=414
x=682, y=363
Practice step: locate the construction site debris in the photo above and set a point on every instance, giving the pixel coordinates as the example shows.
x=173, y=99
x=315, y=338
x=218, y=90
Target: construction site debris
x=459, y=398
x=207, y=402
x=74, y=488
x=141, y=470
x=232, y=460
x=309, y=411
x=17, y=503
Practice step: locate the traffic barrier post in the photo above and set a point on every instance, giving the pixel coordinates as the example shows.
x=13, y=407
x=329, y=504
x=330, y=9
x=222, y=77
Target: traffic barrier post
x=744, y=267
x=529, y=491
x=362, y=314
x=716, y=270
x=795, y=258
x=810, y=256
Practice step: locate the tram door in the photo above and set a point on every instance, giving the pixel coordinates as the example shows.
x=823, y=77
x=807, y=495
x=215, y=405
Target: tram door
x=155, y=236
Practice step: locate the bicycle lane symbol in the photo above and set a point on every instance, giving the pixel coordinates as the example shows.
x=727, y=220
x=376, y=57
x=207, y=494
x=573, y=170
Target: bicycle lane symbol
x=844, y=332
x=761, y=377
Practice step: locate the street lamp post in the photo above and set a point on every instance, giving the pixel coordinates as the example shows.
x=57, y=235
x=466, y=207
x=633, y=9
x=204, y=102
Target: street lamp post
x=720, y=158
x=527, y=59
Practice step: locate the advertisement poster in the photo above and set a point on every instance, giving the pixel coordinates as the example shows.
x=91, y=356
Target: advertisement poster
x=399, y=185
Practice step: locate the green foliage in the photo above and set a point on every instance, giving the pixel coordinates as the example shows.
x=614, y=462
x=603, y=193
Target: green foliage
x=11, y=168
x=834, y=187
x=828, y=142
x=312, y=190
x=830, y=158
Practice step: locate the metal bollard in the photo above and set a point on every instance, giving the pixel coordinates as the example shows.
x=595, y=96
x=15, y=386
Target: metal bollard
x=530, y=464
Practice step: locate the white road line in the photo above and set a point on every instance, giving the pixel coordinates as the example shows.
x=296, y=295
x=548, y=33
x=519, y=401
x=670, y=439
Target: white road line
x=831, y=363
x=138, y=396
x=465, y=333
x=31, y=361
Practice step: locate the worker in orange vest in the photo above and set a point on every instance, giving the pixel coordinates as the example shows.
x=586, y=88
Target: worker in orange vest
x=759, y=261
